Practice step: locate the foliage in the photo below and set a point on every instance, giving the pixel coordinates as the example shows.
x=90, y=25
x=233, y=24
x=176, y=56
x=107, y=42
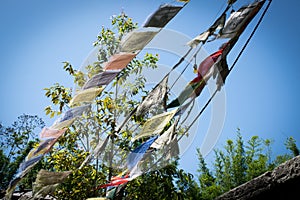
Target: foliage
x=238, y=163
x=16, y=142
x=166, y=183
x=100, y=121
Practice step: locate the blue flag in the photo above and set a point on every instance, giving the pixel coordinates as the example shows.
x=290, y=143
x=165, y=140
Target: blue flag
x=137, y=154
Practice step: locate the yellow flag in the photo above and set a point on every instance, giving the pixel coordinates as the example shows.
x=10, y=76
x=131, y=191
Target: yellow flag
x=87, y=95
x=156, y=124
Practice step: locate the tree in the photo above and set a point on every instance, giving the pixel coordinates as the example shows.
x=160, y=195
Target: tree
x=239, y=163
x=16, y=142
x=100, y=121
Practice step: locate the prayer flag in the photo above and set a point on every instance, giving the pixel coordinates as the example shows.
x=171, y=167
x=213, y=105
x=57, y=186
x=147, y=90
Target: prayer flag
x=162, y=16
x=72, y=113
x=193, y=89
x=47, y=181
x=208, y=62
x=42, y=148
x=103, y=78
x=52, y=133
x=165, y=138
x=155, y=125
x=185, y=1
x=97, y=151
x=229, y=2
x=137, y=40
x=115, y=182
x=86, y=96
x=137, y=154
x=239, y=20
x=155, y=98
x=64, y=124
x=218, y=24
x=119, y=61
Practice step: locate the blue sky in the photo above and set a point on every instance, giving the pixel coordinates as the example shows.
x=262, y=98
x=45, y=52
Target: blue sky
x=262, y=95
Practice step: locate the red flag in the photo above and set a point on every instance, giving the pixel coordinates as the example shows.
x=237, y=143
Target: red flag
x=208, y=62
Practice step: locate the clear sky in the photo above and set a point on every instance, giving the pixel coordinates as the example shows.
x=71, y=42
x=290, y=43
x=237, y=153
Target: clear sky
x=262, y=95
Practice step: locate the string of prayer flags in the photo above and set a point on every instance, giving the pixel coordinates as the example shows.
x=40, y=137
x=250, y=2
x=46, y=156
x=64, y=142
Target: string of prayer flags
x=137, y=39
x=24, y=168
x=162, y=16
x=155, y=98
x=51, y=133
x=239, y=20
x=101, y=79
x=85, y=96
x=120, y=60
x=205, y=71
x=155, y=125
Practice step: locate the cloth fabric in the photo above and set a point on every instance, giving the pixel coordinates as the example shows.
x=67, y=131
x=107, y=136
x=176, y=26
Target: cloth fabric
x=218, y=24
x=101, y=79
x=239, y=20
x=155, y=125
x=120, y=60
x=85, y=96
x=137, y=154
x=155, y=99
x=137, y=40
x=51, y=133
x=162, y=16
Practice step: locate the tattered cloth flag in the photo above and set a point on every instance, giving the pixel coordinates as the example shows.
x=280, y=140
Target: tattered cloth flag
x=137, y=40
x=43, y=148
x=166, y=137
x=51, y=133
x=24, y=168
x=229, y=2
x=155, y=125
x=64, y=124
x=185, y=1
x=85, y=96
x=69, y=117
x=155, y=99
x=239, y=20
x=162, y=16
x=47, y=181
x=119, y=61
x=73, y=112
x=137, y=154
x=195, y=87
x=191, y=90
x=116, y=181
x=218, y=24
x=97, y=151
x=101, y=79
